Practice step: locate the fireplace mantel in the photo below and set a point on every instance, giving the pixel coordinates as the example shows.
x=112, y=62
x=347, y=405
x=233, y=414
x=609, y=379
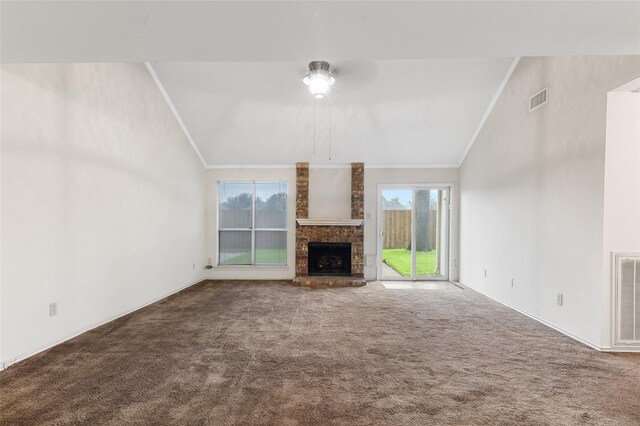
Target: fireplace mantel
x=330, y=222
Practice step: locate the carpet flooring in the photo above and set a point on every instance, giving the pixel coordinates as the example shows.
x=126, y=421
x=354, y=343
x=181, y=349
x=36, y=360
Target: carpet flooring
x=271, y=353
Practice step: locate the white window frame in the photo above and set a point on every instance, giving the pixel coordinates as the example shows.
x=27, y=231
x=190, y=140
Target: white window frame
x=252, y=229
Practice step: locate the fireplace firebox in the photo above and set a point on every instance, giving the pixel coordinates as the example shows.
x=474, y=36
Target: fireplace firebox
x=330, y=259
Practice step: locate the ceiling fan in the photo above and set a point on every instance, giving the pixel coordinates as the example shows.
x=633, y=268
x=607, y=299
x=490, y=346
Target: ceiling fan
x=319, y=80
x=353, y=74
x=321, y=77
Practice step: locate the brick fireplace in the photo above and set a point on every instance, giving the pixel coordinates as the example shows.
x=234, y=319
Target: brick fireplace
x=339, y=232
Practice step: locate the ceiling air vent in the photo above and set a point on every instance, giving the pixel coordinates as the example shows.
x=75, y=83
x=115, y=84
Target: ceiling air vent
x=537, y=100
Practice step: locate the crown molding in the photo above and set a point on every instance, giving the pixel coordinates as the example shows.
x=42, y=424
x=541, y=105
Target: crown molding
x=332, y=166
x=492, y=104
x=173, y=109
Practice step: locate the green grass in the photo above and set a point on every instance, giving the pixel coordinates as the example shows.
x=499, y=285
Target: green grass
x=263, y=256
x=400, y=260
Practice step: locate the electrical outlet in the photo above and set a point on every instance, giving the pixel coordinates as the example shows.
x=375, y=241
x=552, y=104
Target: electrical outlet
x=53, y=309
x=194, y=266
x=485, y=273
x=559, y=299
x=510, y=282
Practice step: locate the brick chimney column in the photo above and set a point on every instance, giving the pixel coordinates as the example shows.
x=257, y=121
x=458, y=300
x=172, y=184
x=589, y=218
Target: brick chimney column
x=302, y=190
x=357, y=190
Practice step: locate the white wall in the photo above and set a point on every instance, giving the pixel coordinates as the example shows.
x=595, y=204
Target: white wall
x=287, y=174
x=329, y=192
x=102, y=200
x=1, y=298
x=621, y=190
x=532, y=192
x=379, y=176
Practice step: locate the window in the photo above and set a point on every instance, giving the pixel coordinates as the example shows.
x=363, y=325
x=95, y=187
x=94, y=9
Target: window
x=252, y=223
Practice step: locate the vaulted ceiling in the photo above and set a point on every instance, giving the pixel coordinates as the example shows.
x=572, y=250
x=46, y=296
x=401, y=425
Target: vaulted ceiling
x=380, y=112
x=414, y=79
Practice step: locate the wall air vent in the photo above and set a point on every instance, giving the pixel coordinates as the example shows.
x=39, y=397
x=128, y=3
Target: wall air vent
x=537, y=100
x=626, y=303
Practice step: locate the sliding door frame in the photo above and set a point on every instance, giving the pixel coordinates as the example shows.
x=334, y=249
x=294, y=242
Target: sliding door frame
x=379, y=228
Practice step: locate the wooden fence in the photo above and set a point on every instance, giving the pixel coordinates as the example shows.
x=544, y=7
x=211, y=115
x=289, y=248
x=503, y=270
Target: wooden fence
x=396, y=228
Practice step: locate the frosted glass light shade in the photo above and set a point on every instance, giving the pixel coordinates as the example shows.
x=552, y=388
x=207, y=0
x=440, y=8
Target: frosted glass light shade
x=319, y=84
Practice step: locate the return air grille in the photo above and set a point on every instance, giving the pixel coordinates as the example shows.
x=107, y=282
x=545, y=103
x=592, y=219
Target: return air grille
x=537, y=100
x=627, y=300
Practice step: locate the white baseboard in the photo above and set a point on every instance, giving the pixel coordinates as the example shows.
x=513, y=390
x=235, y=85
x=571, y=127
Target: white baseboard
x=7, y=363
x=566, y=333
x=621, y=350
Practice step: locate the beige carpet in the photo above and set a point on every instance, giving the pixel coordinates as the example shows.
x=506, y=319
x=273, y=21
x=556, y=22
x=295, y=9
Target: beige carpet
x=256, y=353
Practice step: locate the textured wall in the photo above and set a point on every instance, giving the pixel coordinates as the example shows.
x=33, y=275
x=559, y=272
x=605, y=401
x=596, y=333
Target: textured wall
x=622, y=190
x=532, y=192
x=102, y=199
x=329, y=192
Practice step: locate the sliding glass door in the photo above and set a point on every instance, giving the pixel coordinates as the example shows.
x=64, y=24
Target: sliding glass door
x=413, y=233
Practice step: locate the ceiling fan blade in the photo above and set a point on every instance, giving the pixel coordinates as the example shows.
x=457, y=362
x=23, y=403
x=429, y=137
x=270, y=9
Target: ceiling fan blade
x=353, y=75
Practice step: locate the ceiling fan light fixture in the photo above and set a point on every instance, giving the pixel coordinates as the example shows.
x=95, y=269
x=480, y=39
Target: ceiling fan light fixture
x=319, y=81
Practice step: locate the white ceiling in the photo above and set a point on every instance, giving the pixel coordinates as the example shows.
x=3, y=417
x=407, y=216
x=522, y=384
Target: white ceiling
x=419, y=112
x=122, y=31
x=233, y=69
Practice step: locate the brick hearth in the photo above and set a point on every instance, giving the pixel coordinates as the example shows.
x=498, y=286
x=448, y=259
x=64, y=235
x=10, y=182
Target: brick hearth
x=329, y=233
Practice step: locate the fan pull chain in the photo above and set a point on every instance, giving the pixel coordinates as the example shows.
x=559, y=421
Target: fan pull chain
x=315, y=101
x=330, y=123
